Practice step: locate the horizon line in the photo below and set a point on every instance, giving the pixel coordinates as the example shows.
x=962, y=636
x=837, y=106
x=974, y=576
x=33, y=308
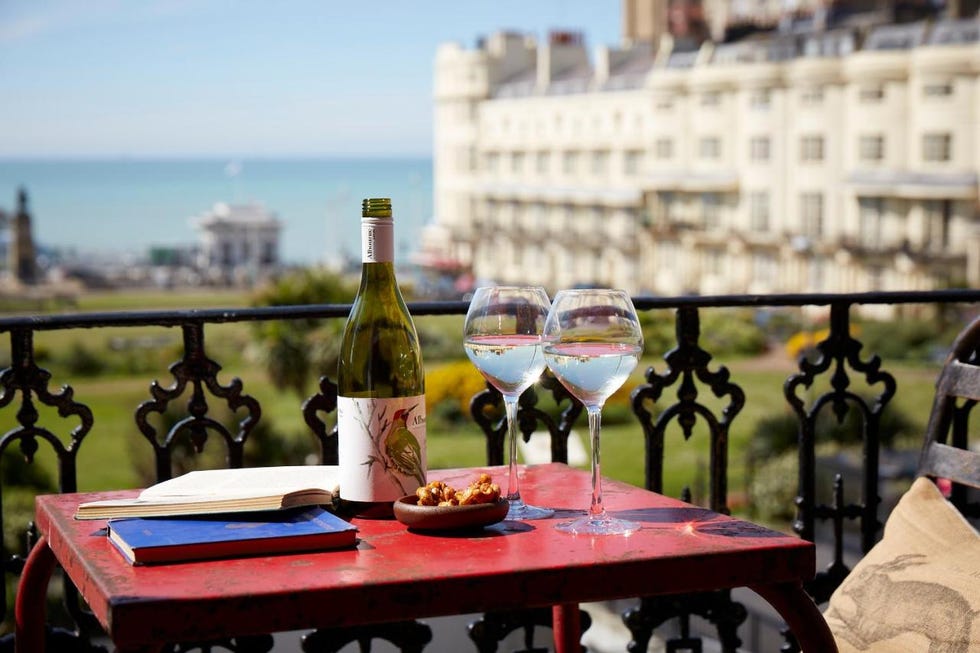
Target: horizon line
x=18, y=158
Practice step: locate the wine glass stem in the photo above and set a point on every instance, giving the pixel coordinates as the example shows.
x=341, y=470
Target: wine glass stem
x=513, y=484
x=596, y=509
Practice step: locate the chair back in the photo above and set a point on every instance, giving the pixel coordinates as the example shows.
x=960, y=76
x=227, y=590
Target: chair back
x=946, y=452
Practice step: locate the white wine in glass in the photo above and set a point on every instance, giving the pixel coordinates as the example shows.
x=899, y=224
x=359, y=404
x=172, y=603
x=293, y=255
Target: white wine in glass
x=593, y=342
x=502, y=337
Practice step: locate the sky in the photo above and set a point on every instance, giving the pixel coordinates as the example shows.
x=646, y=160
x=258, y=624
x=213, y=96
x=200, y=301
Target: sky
x=248, y=78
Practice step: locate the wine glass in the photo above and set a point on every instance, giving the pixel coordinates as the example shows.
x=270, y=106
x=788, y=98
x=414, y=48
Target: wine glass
x=502, y=337
x=592, y=343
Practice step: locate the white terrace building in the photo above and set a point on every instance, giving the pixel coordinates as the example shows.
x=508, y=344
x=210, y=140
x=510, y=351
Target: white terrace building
x=791, y=163
x=238, y=242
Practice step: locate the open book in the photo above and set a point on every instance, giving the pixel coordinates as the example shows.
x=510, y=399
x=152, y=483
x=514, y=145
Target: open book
x=225, y=490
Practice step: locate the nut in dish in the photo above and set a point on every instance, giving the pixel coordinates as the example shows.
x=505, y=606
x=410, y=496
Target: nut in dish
x=437, y=493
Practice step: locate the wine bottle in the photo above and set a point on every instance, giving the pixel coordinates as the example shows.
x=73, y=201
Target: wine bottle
x=380, y=381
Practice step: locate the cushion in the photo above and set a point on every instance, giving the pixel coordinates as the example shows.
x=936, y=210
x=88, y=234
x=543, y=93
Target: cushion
x=918, y=589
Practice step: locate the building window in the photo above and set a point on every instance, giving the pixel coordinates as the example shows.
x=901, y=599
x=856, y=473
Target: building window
x=759, y=210
x=664, y=148
x=871, y=93
x=600, y=163
x=811, y=215
x=817, y=273
x=759, y=148
x=711, y=99
x=871, y=147
x=764, y=268
x=937, y=147
x=268, y=253
x=514, y=214
x=710, y=211
x=517, y=163
x=632, y=162
x=666, y=207
x=668, y=255
x=938, y=214
x=537, y=217
x=876, y=277
x=760, y=98
x=811, y=149
x=493, y=161
x=569, y=162
x=542, y=162
x=937, y=89
x=871, y=211
x=714, y=261
x=811, y=96
x=569, y=216
x=709, y=147
x=597, y=218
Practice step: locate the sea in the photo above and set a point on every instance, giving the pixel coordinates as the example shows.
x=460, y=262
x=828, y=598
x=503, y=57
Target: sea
x=125, y=207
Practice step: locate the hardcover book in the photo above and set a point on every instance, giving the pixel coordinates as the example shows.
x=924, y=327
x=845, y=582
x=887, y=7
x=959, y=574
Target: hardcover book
x=225, y=490
x=167, y=539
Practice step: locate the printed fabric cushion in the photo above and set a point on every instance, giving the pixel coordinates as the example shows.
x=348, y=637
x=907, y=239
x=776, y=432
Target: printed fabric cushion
x=918, y=589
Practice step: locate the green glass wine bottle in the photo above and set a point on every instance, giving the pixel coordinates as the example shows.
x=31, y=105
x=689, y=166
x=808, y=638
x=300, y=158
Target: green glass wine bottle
x=380, y=381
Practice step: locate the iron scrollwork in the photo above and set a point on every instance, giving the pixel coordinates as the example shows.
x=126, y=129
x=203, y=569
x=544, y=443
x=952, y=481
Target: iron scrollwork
x=685, y=363
x=200, y=372
x=324, y=401
x=839, y=350
x=24, y=377
x=487, y=410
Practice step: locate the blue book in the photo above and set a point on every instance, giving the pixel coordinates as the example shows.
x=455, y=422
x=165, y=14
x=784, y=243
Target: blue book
x=170, y=539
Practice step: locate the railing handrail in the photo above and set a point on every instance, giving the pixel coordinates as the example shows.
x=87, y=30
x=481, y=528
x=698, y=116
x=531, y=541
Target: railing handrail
x=169, y=317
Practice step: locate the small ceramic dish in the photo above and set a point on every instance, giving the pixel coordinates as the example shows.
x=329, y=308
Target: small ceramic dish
x=448, y=518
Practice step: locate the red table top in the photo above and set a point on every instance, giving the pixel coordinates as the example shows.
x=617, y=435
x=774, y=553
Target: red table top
x=395, y=573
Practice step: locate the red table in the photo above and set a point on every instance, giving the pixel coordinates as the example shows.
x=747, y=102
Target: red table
x=398, y=574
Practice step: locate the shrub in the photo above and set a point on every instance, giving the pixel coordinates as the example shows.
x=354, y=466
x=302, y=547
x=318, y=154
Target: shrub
x=438, y=344
x=732, y=333
x=772, y=454
x=295, y=351
x=723, y=333
x=449, y=388
x=79, y=360
x=22, y=481
x=907, y=339
x=773, y=434
x=777, y=433
x=658, y=332
x=805, y=343
x=772, y=488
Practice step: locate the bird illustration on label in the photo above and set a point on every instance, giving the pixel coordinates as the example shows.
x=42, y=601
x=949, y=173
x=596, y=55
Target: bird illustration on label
x=402, y=447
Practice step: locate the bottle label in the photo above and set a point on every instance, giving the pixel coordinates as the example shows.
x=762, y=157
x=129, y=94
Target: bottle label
x=381, y=450
x=377, y=240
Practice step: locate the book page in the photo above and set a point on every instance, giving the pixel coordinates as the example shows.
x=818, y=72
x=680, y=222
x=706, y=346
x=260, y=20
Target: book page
x=245, y=482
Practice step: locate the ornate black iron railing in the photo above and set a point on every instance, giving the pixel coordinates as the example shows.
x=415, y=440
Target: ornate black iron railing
x=24, y=384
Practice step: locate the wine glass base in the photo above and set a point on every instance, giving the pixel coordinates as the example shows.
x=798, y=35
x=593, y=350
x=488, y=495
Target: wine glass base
x=522, y=511
x=605, y=525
